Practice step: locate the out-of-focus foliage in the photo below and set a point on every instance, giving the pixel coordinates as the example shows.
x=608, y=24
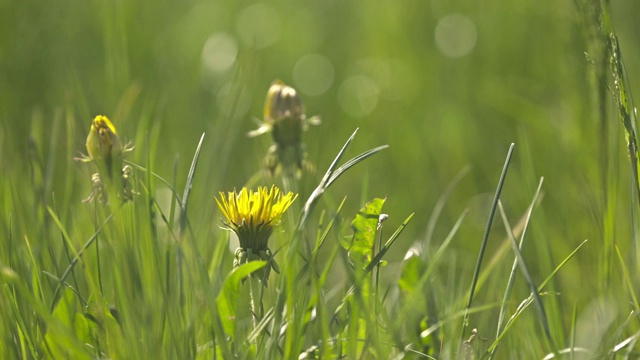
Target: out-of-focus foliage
x=445, y=83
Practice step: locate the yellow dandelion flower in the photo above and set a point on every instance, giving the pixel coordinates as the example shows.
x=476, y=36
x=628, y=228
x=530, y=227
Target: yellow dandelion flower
x=252, y=215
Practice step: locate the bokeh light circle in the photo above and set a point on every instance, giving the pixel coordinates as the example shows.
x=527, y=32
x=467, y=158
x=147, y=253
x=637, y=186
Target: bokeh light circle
x=358, y=95
x=313, y=74
x=455, y=35
x=219, y=52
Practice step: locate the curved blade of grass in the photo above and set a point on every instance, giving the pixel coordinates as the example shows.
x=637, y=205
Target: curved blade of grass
x=571, y=350
x=261, y=326
x=320, y=241
x=485, y=239
x=627, y=278
x=332, y=175
x=346, y=166
x=459, y=314
x=376, y=259
x=73, y=263
x=27, y=344
x=515, y=316
x=512, y=275
x=529, y=279
x=183, y=215
x=189, y=184
x=627, y=343
x=317, y=192
x=163, y=180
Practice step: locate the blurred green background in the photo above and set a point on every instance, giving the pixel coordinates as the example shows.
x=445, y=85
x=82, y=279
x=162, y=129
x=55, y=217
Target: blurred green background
x=447, y=84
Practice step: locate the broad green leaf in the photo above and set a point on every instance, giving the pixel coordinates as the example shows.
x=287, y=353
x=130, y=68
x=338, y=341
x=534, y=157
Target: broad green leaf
x=227, y=300
x=364, y=233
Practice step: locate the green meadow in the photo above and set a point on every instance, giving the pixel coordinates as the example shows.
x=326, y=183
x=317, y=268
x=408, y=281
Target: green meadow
x=436, y=180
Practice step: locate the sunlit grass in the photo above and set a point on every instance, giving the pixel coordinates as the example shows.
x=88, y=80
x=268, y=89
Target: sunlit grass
x=379, y=256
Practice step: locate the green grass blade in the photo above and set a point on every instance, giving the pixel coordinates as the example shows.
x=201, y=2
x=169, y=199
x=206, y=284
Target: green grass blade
x=176, y=196
x=76, y=258
x=332, y=175
x=378, y=257
x=628, y=279
x=485, y=238
x=347, y=165
x=572, y=340
x=529, y=300
x=183, y=217
x=317, y=192
x=512, y=275
x=323, y=237
x=529, y=279
x=189, y=185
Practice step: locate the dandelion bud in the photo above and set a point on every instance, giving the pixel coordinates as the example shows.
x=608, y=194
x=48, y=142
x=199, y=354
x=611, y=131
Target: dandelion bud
x=107, y=153
x=103, y=142
x=285, y=119
x=283, y=109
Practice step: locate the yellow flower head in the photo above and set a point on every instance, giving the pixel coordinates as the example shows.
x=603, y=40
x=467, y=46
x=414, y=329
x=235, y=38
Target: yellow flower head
x=253, y=215
x=103, y=142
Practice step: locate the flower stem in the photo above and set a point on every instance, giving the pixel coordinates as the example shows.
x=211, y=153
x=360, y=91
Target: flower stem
x=254, y=297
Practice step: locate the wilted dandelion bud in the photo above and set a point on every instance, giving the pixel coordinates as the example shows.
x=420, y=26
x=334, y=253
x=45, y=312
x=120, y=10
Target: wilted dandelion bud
x=285, y=118
x=284, y=110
